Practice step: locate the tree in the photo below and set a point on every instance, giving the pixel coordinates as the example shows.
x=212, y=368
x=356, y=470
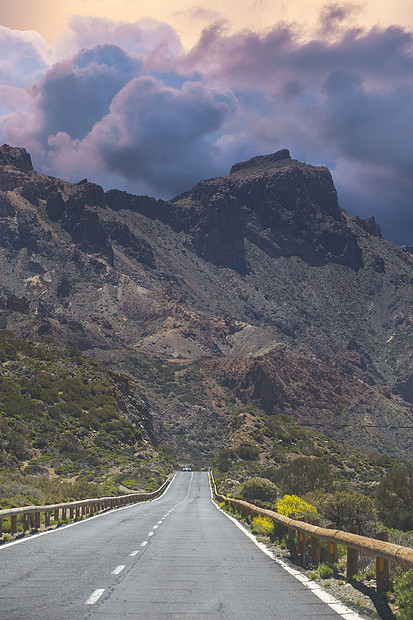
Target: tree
x=394, y=498
x=347, y=508
x=303, y=475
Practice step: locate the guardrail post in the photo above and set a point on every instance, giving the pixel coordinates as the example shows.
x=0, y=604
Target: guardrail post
x=13, y=524
x=301, y=544
x=382, y=565
x=25, y=521
x=332, y=555
x=64, y=514
x=77, y=512
x=56, y=514
x=352, y=556
x=315, y=544
x=37, y=519
x=71, y=512
x=47, y=518
x=1, y=526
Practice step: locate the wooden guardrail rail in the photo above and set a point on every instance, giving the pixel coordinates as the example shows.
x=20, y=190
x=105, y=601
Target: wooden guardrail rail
x=383, y=551
x=72, y=510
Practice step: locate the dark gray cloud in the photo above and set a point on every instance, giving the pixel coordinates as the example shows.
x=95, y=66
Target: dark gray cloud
x=160, y=135
x=75, y=94
x=131, y=109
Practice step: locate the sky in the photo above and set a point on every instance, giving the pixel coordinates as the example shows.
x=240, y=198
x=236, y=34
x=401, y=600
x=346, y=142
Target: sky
x=153, y=96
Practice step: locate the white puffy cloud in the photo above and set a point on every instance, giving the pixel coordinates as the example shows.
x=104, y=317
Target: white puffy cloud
x=24, y=57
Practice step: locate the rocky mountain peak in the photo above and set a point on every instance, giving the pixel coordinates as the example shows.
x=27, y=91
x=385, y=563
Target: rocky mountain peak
x=15, y=156
x=283, y=206
x=261, y=161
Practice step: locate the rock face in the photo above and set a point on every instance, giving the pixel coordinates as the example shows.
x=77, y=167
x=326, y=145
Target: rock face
x=318, y=396
x=404, y=388
x=284, y=207
x=16, y=157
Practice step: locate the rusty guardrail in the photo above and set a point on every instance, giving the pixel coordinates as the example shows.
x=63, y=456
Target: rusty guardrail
x=378, y=547
x=72, y=510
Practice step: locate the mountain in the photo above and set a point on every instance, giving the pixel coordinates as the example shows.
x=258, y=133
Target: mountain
x=255, y=287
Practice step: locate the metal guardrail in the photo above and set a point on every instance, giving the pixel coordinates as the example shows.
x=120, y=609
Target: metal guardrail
x=379, y=547
x=72, y=510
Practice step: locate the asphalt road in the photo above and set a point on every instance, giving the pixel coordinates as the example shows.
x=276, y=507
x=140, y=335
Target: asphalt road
x=175, y=557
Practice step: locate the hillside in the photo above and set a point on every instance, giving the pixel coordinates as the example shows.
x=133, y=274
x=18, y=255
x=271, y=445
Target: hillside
x=251, y=287
x=64, y=416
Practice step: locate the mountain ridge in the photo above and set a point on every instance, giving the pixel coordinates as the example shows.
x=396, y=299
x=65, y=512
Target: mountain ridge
x=230, y=270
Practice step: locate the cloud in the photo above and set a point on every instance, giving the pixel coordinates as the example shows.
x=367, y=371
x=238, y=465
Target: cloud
x=369, y=126
x=126, y=105
x=140, y=37
x=23, y=57
x=154, y=136
x=160, y=134
x=13, y=98
x=334, y=17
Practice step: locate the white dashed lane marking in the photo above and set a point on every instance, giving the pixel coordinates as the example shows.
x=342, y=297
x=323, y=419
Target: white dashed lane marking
x=94, y=596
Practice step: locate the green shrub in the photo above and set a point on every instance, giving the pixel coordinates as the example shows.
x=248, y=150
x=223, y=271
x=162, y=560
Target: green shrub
x=394, y=498
x=223, y=461
x=325, y=571
x=260, y=489
x=403, y=589
x=248, y=453
x=304, y=475
x=347, y=508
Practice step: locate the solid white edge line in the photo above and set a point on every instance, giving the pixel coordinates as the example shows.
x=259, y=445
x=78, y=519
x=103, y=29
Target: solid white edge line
x=331, y=601
x=94, y=596
x=118, y=569
x=64, y=527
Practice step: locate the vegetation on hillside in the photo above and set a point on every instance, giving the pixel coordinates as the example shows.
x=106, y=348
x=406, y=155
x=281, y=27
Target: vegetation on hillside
x=64, y=416
x=348, y=487
x=313, y=476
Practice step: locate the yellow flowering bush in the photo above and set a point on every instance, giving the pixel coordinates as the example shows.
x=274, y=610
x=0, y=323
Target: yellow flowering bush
x=262, y=525
x=294, y=505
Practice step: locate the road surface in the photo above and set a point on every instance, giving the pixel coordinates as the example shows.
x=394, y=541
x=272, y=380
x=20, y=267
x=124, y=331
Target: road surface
x=174, y=557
